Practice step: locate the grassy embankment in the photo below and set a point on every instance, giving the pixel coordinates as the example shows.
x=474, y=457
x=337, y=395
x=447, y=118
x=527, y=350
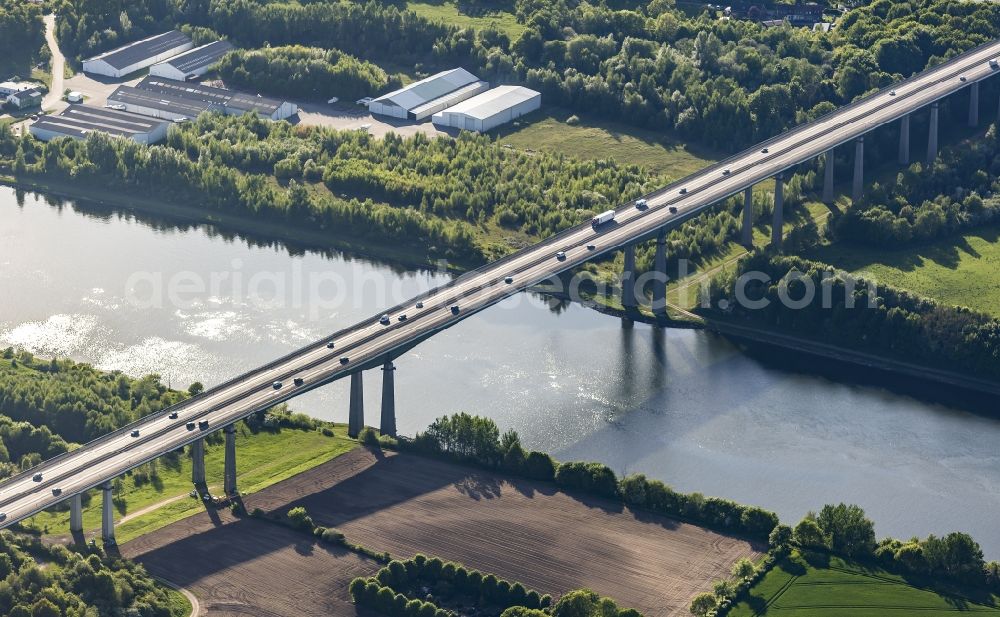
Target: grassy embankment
x=262, y=460
x=823, y=586
x=961, y=270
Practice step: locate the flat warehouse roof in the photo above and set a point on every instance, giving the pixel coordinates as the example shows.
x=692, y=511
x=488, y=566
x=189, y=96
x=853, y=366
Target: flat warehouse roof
x=200, y=57
x=492, y=102
x=200, y=92
x=146, y=48
x=427, y=89
x=157, y=100
x=81, y=119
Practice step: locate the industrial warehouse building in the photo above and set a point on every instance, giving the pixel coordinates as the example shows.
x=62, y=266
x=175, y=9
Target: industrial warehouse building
x=191, y=64
x=490, y=109
x=424, y=98
x=170, y=99
x=139, y=55
x=77, y=121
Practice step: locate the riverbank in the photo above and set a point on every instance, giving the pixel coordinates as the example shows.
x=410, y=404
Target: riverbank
x=404, y=257
x=774, y=338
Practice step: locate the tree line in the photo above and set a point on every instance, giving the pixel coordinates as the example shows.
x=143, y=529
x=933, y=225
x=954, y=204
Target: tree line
x=477, y=440
x=860, y=314
x=308, y=73
x=22, y=36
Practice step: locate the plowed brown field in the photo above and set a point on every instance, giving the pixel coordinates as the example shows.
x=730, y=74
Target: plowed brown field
x=519, y=530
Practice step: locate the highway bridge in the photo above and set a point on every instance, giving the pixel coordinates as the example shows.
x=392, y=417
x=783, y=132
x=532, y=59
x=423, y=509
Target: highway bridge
x=370, y=344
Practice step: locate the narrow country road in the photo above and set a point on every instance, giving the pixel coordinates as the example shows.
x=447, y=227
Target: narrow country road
x=58, y=65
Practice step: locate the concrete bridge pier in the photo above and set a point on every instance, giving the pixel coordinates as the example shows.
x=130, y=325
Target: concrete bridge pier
x=356, y=417
x=904, y=140
x=932, y=134
x=974, y=105
x=229, y=482
x=828, y=177
x=857, y=188
x=660, y=267
x=748, y=218
x=778, y=220
x=107, y=515
x=629, y=300
x=388, y=426
x=76, y=514
x=198, y=463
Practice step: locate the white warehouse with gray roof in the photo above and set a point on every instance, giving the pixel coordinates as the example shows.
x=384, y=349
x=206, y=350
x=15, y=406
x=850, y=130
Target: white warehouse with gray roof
x=490, y=109
x=138, y=55
x=422, y=99
x=194, y=63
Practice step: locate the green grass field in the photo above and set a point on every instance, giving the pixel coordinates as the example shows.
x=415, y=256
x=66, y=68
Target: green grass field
x=830, y=587
x=547, y=130
x=261, y=460
x=961, y=270
x=449, y=13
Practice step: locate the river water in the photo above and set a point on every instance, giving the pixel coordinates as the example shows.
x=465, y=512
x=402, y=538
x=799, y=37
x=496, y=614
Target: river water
x=683, y=406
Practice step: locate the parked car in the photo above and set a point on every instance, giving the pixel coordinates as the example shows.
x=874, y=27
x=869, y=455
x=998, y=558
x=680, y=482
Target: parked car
x=994, y=64
x=173, y=415
x=508, y=280
x=56, y=491
x=190, y=426
x=561, y=255
x=384, y=320
x=329, y=345
x=299, y=381
x=419, y=305
x=203, y=424
x=454, y=309
x=3, y=516
x=641, y=204
x=344, y=359
x=672, y=209
x=135, y=433
x=332, y=100
x=276, y=385
x=683, y=191
x=402, y=317
x=37, y=477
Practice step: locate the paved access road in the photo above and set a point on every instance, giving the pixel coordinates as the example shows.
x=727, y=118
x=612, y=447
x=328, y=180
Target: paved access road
x=368, y=343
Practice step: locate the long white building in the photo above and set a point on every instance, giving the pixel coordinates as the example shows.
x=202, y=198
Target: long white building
x=490, y=109
x=77, y=121
x=191, y=64
x=138, y=55
x=423, y=98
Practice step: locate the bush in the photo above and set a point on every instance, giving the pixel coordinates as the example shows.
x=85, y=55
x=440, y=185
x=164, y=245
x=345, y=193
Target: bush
x=369, y=437
x=332, y=536
x=300, y=519
x=593, y=478
x=539, y=466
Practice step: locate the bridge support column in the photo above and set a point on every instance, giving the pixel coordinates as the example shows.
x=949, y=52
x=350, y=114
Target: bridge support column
x=198, y=462
x=932, y=135
x=748, y=218
x=107, y=515
x=974, y=105
x=778, y=220
x=857, y=188
x=828, y=177
x=660, y=267
x=229, y=481
x=388, y=426
x=356, y=418
x=76, y=514
x=629, y=300
x=904, y=140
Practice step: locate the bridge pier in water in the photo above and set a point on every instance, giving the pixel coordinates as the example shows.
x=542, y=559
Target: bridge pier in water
x=198, y=463
x=778, y=219
x=932, y=134
x=628, y=298
x=660, y=268
x=388, y=425
x=229, y=482
x=76, y=514
x=857, y=188
x=974, y=105
x=828, y=177
x=107, y=514
x=747, y=238
x=356, y=417
x=904, y=140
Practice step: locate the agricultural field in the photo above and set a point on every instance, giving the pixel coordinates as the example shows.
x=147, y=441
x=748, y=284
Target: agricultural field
x=823, y=586
x=404, y=504
x=590, y=139
x=961, y=270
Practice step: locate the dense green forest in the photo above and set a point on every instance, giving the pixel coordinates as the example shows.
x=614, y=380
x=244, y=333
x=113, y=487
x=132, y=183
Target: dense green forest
x=721, y=83
x=882, y=320
x=22, y=36
x=47, y=404
x=37, y=580
x=959, y=190
x=308, y=73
